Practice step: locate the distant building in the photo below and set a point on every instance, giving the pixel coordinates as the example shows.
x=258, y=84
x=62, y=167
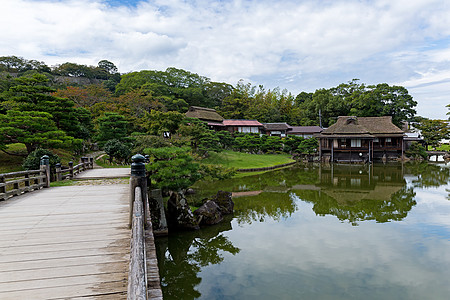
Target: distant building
x=209, y=115
x=353, y=139
x=244, y=126
x=305, y=131
x=276, y=129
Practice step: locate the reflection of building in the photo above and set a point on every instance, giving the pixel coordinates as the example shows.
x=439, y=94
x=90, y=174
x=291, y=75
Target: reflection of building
x=349, y=183
x=356, y=139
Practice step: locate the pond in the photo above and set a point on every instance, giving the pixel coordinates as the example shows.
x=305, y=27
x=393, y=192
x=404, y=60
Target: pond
x=319, y=232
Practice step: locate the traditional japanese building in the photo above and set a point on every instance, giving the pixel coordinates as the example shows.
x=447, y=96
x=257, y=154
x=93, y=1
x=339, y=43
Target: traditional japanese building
x=361, y=139
x=305, y=131
x=276, y=129
x=209, y=115
x=245, y=126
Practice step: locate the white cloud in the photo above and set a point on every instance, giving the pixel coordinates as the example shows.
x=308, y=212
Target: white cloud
x=315, y=44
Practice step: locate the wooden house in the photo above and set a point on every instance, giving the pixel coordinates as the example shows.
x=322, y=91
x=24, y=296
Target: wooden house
x=244, y=126
x=276, y=129
x=209, y=115
x=305, y=131
x=361, y=139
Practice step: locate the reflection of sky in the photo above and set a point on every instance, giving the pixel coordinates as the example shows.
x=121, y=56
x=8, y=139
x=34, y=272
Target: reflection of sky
x=311, y=257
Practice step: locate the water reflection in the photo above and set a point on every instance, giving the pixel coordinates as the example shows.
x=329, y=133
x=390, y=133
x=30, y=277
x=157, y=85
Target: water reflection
x=182, y=256
x=277, y=231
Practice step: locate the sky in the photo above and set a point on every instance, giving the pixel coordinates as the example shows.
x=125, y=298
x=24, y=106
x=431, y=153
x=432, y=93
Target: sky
x=301, y=45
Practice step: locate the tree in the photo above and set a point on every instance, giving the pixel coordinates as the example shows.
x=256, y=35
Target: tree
x=108, y=66
x=172, y=168
x=33, y=94
x=34, y=129
x=157, y=122
x=117, y=150
x=201, y=138
x=33, y=160
x=433, y=131
x=112, y=126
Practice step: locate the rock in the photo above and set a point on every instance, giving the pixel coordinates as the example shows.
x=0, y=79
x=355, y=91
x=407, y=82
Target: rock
x=224, y=201
x=180, y=215
x=190, y=191
x=208, y=214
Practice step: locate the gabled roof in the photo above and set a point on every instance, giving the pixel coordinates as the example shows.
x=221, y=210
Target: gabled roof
x=276, y=126
x=203, y=113
x=305, y=129
x=242, y=123
x=363, y=126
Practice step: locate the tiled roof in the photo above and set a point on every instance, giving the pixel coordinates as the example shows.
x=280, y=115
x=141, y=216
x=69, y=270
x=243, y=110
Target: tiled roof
x=242, y=123
x=305, y=129
x=203, y=113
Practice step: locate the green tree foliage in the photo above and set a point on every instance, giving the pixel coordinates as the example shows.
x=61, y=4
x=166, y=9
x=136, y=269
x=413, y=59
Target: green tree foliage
x=34, y=129
x=202, y=139
x=14, y=64
x=172, y=168
x=117, y=150
x=33, y=160
x=112, y=126
x=33, y=94
x=433, y=131
x=416, y=150
x=308, y=146
x=157, y=122
x=176, y=84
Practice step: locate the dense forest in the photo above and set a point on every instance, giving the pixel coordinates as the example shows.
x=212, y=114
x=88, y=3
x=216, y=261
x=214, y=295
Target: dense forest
x=75, y=105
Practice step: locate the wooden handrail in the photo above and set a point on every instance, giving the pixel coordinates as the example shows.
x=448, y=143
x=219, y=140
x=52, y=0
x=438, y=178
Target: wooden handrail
x=137, y=274
x=21, y=182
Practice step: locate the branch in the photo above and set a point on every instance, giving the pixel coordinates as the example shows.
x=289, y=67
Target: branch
x=13, y=154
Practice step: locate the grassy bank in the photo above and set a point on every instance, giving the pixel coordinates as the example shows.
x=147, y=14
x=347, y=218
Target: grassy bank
x=240, y=160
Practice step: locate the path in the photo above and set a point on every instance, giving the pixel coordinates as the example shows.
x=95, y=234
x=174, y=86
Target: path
x=66, y=242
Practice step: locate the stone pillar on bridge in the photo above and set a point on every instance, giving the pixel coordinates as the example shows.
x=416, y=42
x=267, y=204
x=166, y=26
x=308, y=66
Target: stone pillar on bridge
x=45, y=168
x=138, y=179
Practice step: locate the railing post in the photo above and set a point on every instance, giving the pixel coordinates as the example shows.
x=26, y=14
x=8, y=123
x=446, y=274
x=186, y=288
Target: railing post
x=58, y=174
x=3, y=187
x=91, y=162
x=45, y=168
x=83, y=163
x=71, y=169
x=138, y=179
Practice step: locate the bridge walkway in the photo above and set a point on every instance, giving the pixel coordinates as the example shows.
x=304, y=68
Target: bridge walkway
x=67, y=242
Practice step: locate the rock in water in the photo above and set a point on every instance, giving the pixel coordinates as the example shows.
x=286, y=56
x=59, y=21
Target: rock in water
x=224, y=201
x=209, y=213
x=180, y=215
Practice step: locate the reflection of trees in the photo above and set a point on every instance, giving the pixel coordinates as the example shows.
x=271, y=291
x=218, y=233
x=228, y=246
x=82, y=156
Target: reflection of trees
x=393, y=208
x=428, y=175
x=181, y=256
x=276, y=180
x=257, y=208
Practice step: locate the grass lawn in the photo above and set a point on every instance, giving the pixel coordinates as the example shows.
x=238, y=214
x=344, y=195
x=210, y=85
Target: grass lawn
x=443, y=147
x=240, y=160
x=12, y=163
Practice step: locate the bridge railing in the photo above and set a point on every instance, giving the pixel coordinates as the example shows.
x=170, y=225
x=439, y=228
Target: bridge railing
x=62, y=173
x=17, y=183
x=137, y=273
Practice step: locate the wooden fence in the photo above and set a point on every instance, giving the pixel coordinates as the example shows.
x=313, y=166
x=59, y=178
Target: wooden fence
x=18, y=183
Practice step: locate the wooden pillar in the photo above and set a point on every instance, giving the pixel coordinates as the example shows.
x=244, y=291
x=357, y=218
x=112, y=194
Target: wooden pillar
x=332, y=150
x=45, y=168
x=71, y=169
x=91, y=162
x=58, y=174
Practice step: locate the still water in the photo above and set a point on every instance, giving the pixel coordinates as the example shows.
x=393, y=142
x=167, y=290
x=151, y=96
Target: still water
x=319, y=232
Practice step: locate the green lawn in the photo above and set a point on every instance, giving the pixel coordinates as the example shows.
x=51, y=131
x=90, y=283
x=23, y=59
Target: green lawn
x=443, y=147
x=12, y=163
x=240, y=160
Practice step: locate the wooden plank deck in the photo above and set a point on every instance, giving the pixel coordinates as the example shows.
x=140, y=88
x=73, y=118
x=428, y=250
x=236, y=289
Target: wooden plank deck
x=65, y=243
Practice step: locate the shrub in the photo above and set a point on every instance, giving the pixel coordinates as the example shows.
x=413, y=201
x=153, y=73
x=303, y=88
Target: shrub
x=33, y=160
x=117, y=150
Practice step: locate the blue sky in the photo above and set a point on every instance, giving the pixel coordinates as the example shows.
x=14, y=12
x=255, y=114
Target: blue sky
x=295, y=45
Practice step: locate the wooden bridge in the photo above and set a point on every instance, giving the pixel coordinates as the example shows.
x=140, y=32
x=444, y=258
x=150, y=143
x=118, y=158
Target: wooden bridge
x=71, y=242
